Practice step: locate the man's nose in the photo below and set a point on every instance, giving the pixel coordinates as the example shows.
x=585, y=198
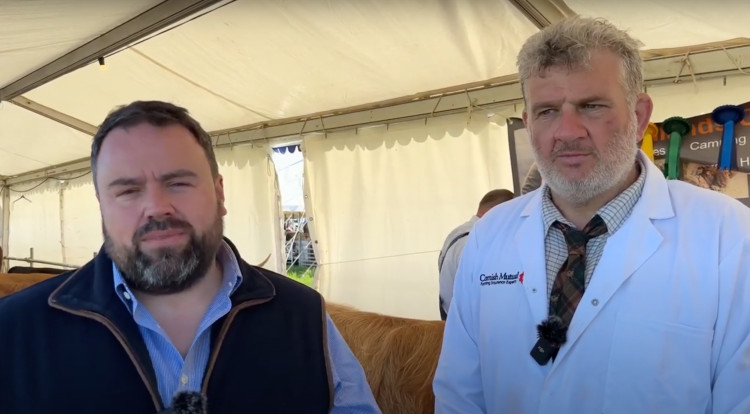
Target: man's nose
x=158, y=204
x=570, y=125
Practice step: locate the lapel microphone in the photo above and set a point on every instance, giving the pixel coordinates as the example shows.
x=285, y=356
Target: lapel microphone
x=552, y=334
x=187, y=402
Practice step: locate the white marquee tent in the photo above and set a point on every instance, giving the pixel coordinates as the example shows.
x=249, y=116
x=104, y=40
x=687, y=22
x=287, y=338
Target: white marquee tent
x=400, y=106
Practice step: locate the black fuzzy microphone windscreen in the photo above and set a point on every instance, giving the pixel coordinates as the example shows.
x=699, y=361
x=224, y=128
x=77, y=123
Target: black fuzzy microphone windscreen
x=552, y=335
x=554, y=330
x=189, y=402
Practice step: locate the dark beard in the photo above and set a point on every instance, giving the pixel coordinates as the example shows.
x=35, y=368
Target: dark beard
x=169, y=270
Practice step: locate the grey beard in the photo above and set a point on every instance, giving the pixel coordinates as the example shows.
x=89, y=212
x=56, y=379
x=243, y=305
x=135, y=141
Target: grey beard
x=614, y=163
x=168, y=271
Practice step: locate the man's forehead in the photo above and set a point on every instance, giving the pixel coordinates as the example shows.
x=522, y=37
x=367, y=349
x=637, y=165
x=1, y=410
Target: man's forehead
x=126, y=148
x=145, y=138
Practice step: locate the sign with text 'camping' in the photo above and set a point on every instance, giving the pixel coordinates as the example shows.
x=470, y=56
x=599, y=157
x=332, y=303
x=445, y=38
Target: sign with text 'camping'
x=703, y=143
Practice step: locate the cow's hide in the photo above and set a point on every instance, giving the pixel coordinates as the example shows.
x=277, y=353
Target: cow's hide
x=399, y=356
x=13, y=282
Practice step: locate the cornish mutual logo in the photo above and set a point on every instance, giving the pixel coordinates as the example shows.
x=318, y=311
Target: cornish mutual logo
x=500, y=278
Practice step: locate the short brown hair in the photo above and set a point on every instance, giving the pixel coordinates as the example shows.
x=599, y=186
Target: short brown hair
x=158, y=114
x=494, y=198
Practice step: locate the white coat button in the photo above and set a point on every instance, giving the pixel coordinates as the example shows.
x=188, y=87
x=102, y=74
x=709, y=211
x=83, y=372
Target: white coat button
x=126, y=295
x=183, y=379
x=533, y=290
x=595, y=302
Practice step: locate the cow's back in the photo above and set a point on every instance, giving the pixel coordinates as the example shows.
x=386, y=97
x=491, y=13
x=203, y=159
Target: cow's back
x=13, y=282
x=399, y=356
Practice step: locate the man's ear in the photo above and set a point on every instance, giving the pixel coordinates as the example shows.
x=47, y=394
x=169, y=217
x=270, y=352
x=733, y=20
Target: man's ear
x=524, y=117
x=644, y=106
x=219, y=187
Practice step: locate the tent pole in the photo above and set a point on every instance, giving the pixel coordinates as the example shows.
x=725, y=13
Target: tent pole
x=6, y=224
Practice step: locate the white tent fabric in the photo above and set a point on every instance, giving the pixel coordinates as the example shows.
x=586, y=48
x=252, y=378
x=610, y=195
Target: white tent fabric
x=37, y=142
x=668, y=23
x=131, y=76
x=253, y=221
x=382, y=201
x=60, y=220
x=34, y=33
x=264, y=63
x=688, y=99
x=252, y=61
x=35, y=223
x=81, y=228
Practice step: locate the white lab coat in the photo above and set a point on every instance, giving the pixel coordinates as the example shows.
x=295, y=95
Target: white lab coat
x=663, y=327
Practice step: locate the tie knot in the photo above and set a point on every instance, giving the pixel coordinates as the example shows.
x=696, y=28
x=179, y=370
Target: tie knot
x=578, y=238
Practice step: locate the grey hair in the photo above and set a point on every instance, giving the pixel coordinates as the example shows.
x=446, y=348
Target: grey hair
x=569, y=44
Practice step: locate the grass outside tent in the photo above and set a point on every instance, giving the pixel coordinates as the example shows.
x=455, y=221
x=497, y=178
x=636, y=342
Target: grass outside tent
x=302, y=274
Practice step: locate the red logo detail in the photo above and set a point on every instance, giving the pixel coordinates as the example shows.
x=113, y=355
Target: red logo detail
x=520, y=277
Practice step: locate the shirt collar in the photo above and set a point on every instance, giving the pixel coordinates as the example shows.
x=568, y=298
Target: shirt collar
x=614, y=213
x=230, y=275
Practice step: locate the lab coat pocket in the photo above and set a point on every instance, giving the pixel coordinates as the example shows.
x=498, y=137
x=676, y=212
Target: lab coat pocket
x=658, y=367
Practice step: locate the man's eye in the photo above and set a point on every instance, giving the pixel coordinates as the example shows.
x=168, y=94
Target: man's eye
x=545, y=112
x=127, y=191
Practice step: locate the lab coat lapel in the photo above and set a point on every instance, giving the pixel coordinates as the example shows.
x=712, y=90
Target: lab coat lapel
x=625, y=252
x=529, y=242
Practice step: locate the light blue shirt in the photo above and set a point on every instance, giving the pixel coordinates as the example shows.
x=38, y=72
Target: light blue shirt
x=352, y=393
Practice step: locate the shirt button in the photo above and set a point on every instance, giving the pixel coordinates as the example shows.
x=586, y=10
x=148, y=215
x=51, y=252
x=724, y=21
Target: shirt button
x=595, y=302
x=126, y=295
x=183, y=379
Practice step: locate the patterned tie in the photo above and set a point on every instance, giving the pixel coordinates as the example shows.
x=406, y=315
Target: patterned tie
x=571, y=278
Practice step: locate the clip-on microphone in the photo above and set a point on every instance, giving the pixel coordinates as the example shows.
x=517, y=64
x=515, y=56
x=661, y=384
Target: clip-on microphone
x=552, y=334
x=187, y=402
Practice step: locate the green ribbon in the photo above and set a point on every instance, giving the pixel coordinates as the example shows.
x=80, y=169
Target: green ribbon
x=676, y=127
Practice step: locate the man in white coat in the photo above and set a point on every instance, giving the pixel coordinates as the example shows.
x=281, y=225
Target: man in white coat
x=651, y=313
x=453, y=246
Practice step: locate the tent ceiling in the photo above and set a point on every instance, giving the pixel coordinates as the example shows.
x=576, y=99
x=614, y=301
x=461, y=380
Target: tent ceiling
x=254, y=62
x=262, y=60
x=35, y=33
x=543, y=12
x=661, y=24
x=44, y=135
x=159, y=17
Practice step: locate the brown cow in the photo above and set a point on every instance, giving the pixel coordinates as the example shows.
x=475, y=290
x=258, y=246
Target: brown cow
x=13, y=282
x=399, y=356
